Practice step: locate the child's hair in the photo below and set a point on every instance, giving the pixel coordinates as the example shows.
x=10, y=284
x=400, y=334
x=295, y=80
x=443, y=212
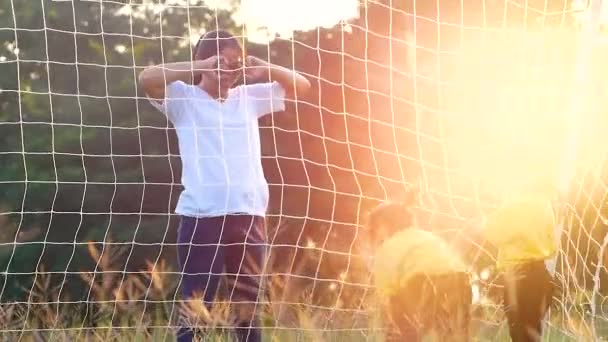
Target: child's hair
x=392, y=215
x=210, y=44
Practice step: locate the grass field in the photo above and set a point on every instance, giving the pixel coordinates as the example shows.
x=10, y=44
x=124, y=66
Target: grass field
x=142, y=307
x=40, y=324
x=143, y=334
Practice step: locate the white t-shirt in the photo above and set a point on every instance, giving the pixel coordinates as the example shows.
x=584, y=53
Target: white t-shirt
x=219, y=145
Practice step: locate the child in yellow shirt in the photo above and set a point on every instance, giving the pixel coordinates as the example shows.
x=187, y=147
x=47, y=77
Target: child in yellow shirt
x=523, y=230
x=423, y=284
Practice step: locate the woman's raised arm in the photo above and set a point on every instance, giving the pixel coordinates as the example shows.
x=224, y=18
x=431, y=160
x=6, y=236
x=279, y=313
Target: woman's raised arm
x=293, y=83
x=155, y=78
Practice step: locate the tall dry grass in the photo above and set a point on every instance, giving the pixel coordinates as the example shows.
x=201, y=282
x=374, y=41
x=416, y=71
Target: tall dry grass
x=140, y=307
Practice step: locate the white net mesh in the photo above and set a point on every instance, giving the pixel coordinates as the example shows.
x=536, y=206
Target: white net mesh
x=465, y=99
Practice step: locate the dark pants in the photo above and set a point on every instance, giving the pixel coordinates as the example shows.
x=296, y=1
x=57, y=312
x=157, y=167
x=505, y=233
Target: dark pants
x=436, y=303
x=233, y=245
x=528, y=293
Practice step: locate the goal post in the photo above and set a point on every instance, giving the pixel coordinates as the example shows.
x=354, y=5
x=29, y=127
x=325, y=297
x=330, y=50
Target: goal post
x=467, y=100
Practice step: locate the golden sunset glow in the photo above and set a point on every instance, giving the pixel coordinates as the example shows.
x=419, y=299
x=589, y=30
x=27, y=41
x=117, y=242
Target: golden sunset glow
x=510, y=111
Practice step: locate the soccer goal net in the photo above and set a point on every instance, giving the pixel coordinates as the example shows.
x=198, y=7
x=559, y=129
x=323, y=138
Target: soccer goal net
x=464, y=100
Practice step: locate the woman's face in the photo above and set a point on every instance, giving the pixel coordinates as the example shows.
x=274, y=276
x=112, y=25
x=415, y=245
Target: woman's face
x=230, y=67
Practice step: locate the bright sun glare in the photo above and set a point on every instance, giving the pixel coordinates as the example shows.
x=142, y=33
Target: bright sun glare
x=510, y=114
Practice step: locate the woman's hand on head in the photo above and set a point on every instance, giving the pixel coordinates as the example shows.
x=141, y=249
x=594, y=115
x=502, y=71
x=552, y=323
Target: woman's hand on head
x=211, y=64
x=211, y=67
x=255, y=69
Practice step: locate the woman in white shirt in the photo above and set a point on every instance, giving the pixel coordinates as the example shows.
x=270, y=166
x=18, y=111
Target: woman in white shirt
x=225, y=196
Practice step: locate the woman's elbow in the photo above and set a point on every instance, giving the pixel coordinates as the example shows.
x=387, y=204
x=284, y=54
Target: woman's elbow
x=148, y=84
x=303, y=86
x=147, y=78
x=144, y=79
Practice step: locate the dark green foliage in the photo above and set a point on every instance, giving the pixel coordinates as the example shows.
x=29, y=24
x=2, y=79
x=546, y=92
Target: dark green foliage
x=79, y=142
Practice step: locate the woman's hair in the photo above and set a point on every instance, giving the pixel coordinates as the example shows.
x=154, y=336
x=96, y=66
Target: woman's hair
x=211, y=44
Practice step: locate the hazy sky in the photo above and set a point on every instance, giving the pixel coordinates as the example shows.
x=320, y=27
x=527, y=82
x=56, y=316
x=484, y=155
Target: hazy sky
x=264, y=18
